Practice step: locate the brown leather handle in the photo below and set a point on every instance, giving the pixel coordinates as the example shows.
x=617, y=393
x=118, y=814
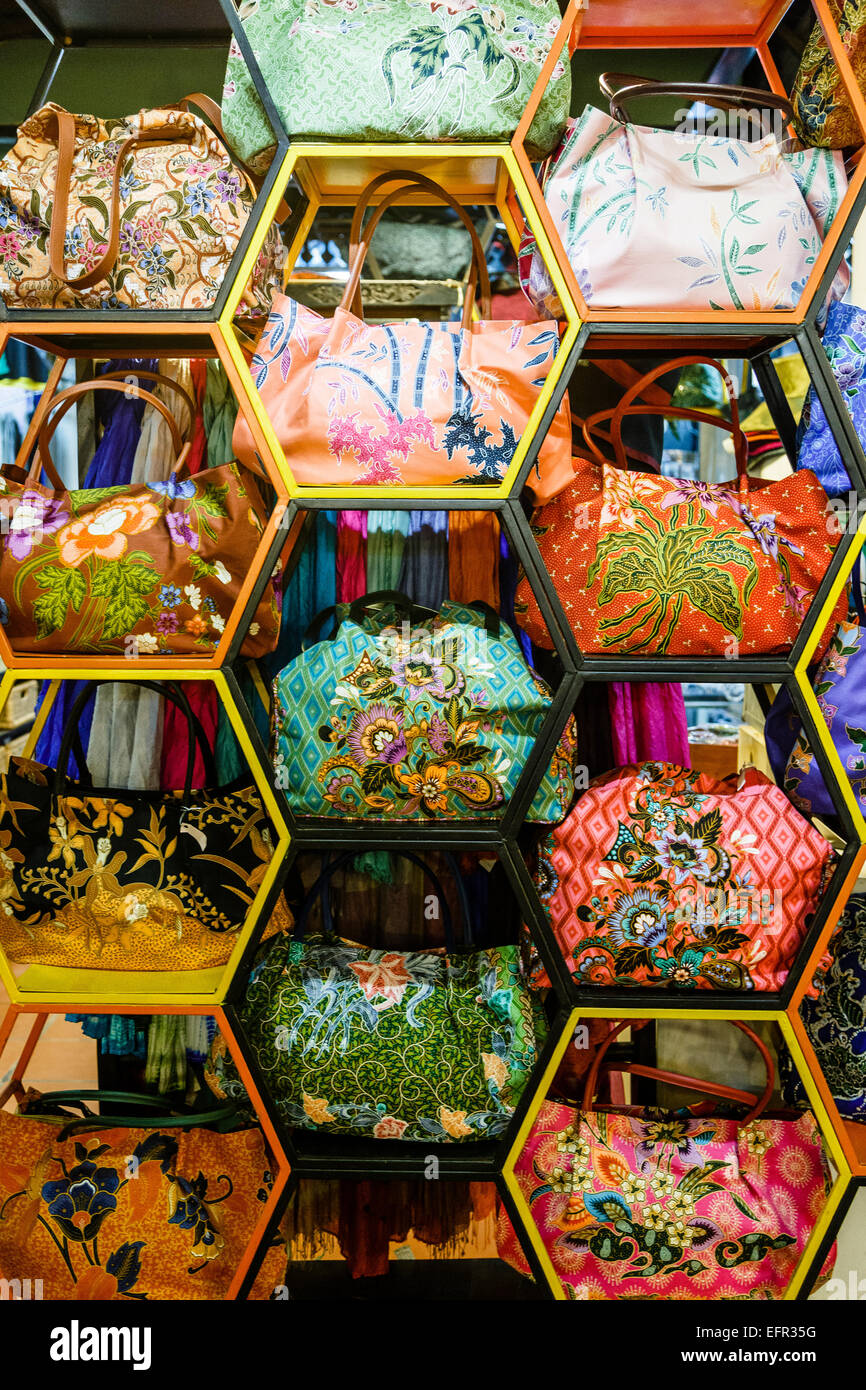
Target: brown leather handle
x=691, y=1083
x=64, y=399
x=626, y=407
x=167, y=382
x=60, y=210
x=621, y=87
x=351, y=295
x=214, y=116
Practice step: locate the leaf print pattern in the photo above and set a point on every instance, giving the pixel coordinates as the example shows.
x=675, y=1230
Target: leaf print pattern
x=112, y=881
x=84, y=571
x=360, y=70
x=388, y=1044
x=628, y=1206
x=750, y=219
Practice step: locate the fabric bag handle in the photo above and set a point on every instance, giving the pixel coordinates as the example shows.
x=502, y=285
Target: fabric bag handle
x=621, y=87
x=351, y=300
x=321, y=884
x=64, y=400
x=758, y=1104
x=171, y=691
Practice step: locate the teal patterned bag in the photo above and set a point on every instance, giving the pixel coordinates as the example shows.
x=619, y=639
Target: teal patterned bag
x=388, y=1044
x=433, y=720
x=395, y=70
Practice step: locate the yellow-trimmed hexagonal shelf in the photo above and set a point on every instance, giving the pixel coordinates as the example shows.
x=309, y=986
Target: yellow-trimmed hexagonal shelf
x=52, y=984
x=335, y=175
x=840, y=1179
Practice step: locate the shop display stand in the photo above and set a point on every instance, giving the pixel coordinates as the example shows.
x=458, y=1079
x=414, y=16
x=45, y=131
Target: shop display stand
x=499, y=176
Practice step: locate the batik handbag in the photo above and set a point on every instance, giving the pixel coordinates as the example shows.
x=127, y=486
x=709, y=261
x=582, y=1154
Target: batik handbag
x=822, y=107
x=360, y=70
x=662, y=877
x=836, y=1021
x=654, y=1204
x=412, y=1045
x=842, y=701
x=670, y=219
x=844, y=342
x=432, y=722
x=110, y=879
x=102, y=1208
x=143, y=212
x=645, y=564
x=411, y=403
x=144, y=568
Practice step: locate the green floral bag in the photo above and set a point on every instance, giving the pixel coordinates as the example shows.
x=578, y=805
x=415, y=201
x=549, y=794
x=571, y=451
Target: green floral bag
x=414, y=1045
x=405, y=70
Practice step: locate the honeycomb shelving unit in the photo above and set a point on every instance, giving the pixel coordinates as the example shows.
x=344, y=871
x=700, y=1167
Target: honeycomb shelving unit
x=502, y=177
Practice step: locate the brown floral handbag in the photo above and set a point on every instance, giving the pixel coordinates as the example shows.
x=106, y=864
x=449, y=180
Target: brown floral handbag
x=144, y=212
x=823, y=111
x=144, y=1207
x=149, y=569
x=105, y=879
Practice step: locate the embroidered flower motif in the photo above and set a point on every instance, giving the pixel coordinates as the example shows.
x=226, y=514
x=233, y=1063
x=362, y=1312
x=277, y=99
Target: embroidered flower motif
x=454, y=1122
x=390, y=1128
x=383, y=981
x=639, y=919
x=376, y=735
x=31, y=517
x=105, y=532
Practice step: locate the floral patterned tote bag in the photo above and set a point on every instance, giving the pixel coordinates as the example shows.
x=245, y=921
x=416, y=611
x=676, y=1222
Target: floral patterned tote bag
x=663, y=877
x=154, y=1208
x=824, y=115
x=142, y=212
x=667, y=219
x=652, y=1204
x=364, y=70
x=844, y=341
x=836, y=1021
x=405, y=714
x=840, y=689
x=646, y=564
x=155, y=567
x=413, y=1045
x=105, y=879
x=420, y=404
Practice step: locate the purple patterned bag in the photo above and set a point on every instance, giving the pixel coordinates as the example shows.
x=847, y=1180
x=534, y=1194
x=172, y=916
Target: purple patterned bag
x=840, y=688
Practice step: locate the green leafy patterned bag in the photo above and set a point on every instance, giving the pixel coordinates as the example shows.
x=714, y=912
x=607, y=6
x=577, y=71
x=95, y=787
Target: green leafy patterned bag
x=401, y=70
x=386, y=1044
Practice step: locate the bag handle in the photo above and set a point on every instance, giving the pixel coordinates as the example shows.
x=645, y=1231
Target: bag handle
x=351, y=295
x=160, y=135
x=626, y=407
x=321, y=884
x=758, y=1104
x=66, y=399
x=214, y=116
x=171, y=691
x=167, y=382
x=621, y=87
x=355, y=609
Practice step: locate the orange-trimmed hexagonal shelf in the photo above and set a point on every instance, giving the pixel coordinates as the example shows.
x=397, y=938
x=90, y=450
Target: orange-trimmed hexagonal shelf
x=244, y=1223
x=475, y=175
x=101, y=896
x=673, y=25
x=579, y=1161
x=259, y=524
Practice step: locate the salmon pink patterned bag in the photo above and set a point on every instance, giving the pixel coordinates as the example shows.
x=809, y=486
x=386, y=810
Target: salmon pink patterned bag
x=665, y=877
x=415, y=404
x=654, y=1204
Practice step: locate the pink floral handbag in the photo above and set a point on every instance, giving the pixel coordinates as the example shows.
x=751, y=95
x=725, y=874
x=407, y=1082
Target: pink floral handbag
x=653, y=1204
x=415, y=404
x=668, y=219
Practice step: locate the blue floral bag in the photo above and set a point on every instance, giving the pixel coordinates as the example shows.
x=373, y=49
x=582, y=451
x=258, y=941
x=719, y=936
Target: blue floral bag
x=388, y=721
x=845, y=345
